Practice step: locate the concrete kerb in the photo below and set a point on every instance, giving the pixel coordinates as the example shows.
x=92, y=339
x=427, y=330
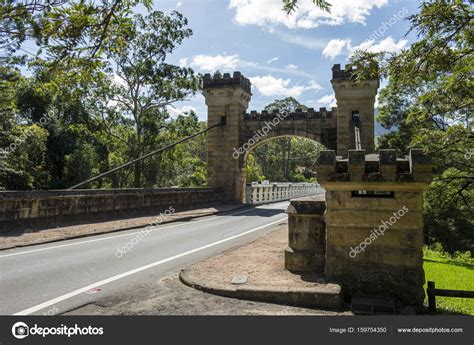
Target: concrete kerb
x=327, y=298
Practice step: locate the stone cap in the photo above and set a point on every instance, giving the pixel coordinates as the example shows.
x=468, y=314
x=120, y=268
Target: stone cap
x=310, y=113
x=381, y=167
x=315, y=204
x=218, y=81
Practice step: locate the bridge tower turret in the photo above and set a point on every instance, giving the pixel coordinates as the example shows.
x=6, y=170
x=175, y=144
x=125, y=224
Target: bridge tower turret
x=227, y=98
x=355, y=108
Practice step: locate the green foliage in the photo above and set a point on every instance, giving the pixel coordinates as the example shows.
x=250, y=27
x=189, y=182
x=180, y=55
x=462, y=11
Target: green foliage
x=149, y=84
x=289, y=6
x=72, y=34
x=106, y=113
x=253, y=170
x=436, y=252
x=25, y=165
x=428, y=104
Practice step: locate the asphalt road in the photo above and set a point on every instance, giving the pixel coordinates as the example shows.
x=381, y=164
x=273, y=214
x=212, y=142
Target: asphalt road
x=52, y=278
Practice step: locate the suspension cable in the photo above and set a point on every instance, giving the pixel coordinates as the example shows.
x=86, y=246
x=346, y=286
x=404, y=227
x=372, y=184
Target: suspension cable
x=146, y=156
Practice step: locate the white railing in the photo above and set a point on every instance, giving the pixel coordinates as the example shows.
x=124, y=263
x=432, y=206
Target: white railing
x=261, y=193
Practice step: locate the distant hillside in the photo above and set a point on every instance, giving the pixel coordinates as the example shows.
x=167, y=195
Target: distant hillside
x=379, y=130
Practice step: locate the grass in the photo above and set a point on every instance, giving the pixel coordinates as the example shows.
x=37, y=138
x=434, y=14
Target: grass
x=451, y=273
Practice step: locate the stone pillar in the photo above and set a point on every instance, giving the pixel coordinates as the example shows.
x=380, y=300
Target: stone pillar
x=306, y=227
x=374, y=231
x=227, y=97
x=353, y=96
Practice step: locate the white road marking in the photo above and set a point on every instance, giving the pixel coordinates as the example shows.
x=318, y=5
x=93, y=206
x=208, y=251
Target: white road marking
x=117, y=236
x=136, y=270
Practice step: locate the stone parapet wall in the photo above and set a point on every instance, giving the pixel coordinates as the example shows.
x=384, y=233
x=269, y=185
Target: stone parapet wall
x=20, y=208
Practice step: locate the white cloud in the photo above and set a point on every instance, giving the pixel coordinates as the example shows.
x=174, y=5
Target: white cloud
x=269, y=13
x=302, y=41
x=291, y=66
x=377, y=104
x=387, y=45
x=213, y=63
x=179, y=4
x=335, y=47
x=272, y=60
x=279, y=87
x=181, y=110
x=183, y=62
x=229, y=63
x=314, y=86
x=327, y=101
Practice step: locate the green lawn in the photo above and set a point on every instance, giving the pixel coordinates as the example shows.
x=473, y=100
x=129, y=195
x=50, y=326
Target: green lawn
x=451, y=276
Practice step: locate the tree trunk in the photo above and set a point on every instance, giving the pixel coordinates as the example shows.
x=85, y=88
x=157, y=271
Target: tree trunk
x=287, y=169
x=137, y=173
x=283, y=157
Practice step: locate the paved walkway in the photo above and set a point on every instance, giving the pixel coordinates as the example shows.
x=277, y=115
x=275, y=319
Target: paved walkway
x=28, y=237
x=255, y=271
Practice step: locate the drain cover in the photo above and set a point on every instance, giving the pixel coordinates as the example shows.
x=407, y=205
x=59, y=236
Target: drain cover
x=239, y=280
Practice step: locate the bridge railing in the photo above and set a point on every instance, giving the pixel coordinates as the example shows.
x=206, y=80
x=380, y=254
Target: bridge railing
x=258, y=193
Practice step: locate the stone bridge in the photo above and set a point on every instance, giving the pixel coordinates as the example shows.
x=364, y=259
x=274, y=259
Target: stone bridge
x=228, y=146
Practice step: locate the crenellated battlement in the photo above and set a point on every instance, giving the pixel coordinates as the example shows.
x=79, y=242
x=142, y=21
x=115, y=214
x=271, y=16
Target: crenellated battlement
x=218, y=81
x=381, y=167
x=342, y=74
x=227, y=97
x=310, y=113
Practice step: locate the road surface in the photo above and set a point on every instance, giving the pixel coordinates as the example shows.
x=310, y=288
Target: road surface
x=49, y=279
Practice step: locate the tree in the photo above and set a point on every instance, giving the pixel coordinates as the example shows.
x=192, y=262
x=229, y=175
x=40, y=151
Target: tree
x=289, y=6
x=428, y=100
x=76, y=32
x=147, y=84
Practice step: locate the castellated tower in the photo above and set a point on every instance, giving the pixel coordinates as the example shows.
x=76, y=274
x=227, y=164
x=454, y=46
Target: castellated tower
x=226, y=96
x=355, y=108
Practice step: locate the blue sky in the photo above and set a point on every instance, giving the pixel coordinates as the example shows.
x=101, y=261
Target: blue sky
x=285, y=56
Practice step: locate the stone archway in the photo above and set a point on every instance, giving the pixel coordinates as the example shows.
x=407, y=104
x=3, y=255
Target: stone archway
x=244, y=158
x=229, y=96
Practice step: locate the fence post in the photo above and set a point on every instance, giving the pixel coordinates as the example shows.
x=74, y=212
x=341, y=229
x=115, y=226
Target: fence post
x=430, y=291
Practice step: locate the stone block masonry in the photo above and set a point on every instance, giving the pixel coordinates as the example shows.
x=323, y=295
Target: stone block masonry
x=46, y=208
x=307, y=231
x=366, y=233
x=374, y=222
x=229, y=96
